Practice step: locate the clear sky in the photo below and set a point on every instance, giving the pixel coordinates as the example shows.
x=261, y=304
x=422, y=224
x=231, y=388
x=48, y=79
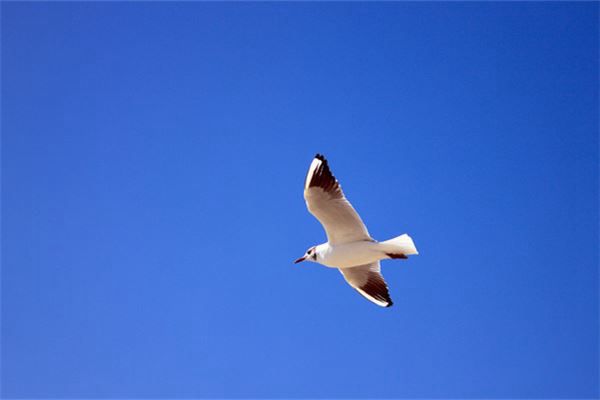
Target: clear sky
x=153, y=157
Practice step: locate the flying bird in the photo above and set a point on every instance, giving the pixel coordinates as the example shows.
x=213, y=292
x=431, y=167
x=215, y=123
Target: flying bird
x=349, y=248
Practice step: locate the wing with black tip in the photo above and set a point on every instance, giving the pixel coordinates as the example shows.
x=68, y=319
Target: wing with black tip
x=326, y=201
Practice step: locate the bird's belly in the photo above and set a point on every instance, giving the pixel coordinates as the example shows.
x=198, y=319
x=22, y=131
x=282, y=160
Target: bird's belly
x=351, y=254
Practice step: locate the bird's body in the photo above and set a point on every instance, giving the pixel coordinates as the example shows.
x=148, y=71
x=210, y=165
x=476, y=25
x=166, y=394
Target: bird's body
x=347, y=255
x=352, y=254
x=350, y=247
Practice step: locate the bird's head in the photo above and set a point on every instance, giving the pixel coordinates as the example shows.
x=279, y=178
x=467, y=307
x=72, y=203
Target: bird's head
x=310, y=255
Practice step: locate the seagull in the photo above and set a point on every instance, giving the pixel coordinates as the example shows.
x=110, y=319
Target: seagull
x=349, y=246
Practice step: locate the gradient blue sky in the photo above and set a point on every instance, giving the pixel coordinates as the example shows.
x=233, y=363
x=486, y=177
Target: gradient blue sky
x=153, y=156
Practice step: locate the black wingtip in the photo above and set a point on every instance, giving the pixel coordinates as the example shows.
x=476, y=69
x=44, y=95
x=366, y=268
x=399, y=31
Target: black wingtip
x=323, y=178
x=391, y=303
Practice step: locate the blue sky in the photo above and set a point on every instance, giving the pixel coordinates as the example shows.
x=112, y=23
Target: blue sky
x=153, y=156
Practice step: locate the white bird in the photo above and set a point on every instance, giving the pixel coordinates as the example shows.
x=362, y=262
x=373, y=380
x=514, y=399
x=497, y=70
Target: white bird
x=349, y=246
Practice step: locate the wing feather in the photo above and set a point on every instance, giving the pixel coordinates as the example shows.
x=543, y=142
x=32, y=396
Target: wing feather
x=368, y=281
x=326, y=201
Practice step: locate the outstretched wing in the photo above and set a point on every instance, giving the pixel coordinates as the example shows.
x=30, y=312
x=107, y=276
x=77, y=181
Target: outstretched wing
x=369, y=282
x=326, y=201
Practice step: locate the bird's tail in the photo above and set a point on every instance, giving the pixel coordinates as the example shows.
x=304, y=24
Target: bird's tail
x=399, y=247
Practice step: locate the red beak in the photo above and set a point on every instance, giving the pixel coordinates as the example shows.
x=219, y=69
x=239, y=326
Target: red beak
x=300, y=259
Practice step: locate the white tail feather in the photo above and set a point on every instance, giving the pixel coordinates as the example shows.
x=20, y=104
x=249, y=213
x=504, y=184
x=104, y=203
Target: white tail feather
x=402, y=244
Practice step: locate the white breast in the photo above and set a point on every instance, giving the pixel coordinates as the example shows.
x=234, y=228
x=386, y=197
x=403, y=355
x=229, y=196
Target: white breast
x=348, y=254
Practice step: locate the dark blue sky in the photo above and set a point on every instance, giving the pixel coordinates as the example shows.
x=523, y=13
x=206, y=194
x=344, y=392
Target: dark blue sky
x=153, y=156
